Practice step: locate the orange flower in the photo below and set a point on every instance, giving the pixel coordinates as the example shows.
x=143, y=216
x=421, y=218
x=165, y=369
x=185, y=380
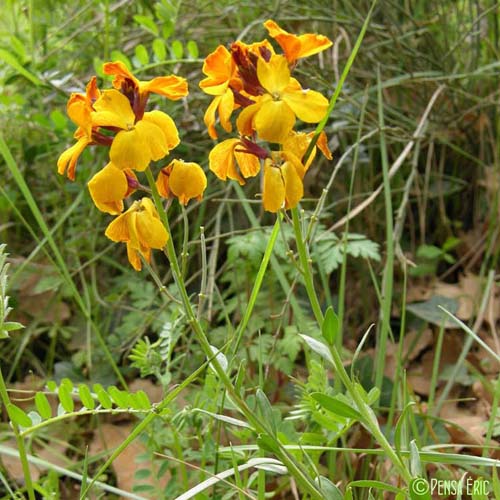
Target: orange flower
x=273, y=115
x=224, y=157
x=186, y=180
x=110, y=186
x=221, y=73
x=79, y=109
x=295, y=47
x=138, y=142
x=141, y=229
x=283, y=188
x=173, y=87
x=298, y=142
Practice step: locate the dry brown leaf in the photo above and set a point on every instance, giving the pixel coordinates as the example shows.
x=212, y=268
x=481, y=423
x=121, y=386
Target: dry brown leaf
x=13, y=464
x=107, y=438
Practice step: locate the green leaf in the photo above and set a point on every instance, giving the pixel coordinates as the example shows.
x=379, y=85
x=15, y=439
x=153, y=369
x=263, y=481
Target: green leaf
x=119, y=397
x=18, y=416
x=103, y=396
x=415, y=463
x=116, y=55
x=336, y=406
x=177, y=49
x=266, y=410
x=430, y=312
x=192, y=49
x=43, y=405
x=329, y=490
x=143, y=400
x=159, y=49
x=429, y=252
x=147, y=23
x=141, y=54
x=330, y=327
x=318, y=347
x=12, y=61
x=266, y=443
x=378, y=485
x=52, y=386
x=65, y=398
x=86, y=397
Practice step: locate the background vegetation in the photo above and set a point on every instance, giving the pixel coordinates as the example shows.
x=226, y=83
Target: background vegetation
x=439, y=67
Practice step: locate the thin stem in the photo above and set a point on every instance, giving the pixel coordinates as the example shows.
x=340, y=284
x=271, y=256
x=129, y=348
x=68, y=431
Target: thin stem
x=368, y=417
x=295, y=469
x=19, y=439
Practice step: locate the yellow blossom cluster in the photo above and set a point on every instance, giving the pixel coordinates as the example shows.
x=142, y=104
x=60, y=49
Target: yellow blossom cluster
x=117, y=118
x=258, y=82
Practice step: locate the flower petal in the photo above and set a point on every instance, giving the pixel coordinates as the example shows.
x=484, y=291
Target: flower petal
x=248, y=163
x=150, y=230
x=187, y=181
x=226, y=107
x=209, y=117
x=167, y=126
x=131, y=149
x=274, y=75
x=113, y=110
x=68, y=158
x=274, y=121
x=273, y=195
x=134, y=257
x=294, y=189
x=221, y=161
x=244, y=122
x=107, y=188
x=309, y=106
x=120, y=72
x=173, y=87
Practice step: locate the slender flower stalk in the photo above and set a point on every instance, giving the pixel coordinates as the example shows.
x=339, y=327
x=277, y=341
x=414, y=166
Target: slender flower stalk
x=294, y=468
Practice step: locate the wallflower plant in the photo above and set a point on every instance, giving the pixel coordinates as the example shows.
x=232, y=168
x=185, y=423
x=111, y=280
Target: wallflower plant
x=256, y=83
x=117, y=118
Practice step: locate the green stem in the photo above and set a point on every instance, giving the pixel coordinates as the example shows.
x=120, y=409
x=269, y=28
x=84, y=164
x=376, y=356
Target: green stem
x=368, y=417
x=387, y=280
x=20, y=441
x=301, y=476
x=257, y=285
x=306, y=267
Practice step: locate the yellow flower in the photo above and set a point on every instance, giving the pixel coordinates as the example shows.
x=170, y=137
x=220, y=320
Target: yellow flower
x=141, y=229
x=186, y=180
x=273, y=115
x=110, y=186
x=298, y=142
x=68, y=158
x=224, y=157
x=173, y=87
x=296, y=47
x=283, y=188
x=79, y=109
x=221, y=73
x=138, y=142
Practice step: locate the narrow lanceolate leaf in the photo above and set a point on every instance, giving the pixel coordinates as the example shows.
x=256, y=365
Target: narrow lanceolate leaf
x=266, y=410
x=65, y=398
x=43, y=405
x=329, y=490
x=18, y=416
x=330, y=327
x=86, y=397
x=318, y=347
x=336, y=406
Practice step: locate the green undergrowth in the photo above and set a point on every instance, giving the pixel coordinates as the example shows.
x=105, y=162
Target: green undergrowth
x=351, y=346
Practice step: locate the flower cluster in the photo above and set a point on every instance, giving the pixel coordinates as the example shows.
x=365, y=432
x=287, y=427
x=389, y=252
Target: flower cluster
x=117, y=118
x=257, y=81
